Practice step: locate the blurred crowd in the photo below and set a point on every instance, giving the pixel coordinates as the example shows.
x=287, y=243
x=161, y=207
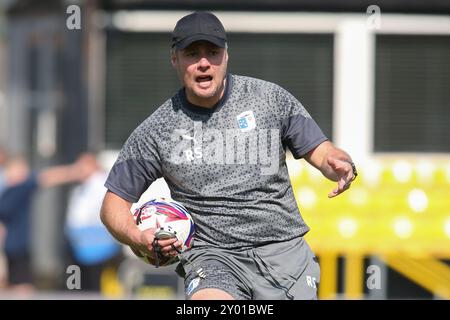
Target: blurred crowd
x=89, y=245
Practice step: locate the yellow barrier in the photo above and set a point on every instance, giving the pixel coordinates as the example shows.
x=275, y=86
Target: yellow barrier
x=397, y=208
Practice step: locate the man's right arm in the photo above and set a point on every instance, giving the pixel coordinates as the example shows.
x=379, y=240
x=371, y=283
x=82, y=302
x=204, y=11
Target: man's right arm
x=116, y=216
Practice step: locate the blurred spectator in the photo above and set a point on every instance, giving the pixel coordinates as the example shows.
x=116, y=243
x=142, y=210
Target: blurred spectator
x=3, y=270
x=2, y=227
x=15, y=209
x=92, y=248
x=2, y=169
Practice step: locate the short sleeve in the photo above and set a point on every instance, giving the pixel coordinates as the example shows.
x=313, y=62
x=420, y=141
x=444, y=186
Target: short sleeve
x=136, y=167
x=299, y=132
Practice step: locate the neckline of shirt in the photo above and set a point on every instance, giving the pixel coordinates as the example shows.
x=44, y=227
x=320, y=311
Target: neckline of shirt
x=202, y=110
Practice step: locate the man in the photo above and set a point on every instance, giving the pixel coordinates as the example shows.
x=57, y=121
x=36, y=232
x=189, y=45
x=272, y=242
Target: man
x=249, y=233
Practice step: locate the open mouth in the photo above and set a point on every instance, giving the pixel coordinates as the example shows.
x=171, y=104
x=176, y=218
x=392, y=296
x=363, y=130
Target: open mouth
x=203, y=78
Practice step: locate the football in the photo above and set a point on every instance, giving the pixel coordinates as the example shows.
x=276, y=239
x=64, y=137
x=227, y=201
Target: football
x=170, y=219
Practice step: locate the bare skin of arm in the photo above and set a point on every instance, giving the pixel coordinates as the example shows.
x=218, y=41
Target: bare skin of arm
x=57, y=175
x=116, y=216
x=334, y=163
x=17, y=170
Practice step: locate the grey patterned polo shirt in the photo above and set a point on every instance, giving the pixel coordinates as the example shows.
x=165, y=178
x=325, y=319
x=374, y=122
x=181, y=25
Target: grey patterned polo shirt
x=227, y=164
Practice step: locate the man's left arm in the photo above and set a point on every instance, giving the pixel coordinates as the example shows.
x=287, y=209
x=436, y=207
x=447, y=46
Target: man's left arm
x=335, y=164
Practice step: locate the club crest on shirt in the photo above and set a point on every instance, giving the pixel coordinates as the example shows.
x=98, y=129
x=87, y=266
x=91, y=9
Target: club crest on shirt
x=246, y=121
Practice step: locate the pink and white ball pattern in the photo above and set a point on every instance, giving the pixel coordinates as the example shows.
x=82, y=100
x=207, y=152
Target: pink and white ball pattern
x=168, y=215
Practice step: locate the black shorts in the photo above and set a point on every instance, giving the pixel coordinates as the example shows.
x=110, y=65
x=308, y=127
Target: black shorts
x=19, y=269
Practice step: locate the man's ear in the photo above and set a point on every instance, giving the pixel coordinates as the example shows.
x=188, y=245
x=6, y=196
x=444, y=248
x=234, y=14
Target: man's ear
x=173, y=57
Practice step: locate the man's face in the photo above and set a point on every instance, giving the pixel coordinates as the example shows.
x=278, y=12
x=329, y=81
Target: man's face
x=201, y=67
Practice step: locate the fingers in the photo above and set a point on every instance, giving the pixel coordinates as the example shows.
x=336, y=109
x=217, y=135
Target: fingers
x=332, y=162
x=169, y=247
x=166, y=242
x=344, y=172
x=343, y=185
x=148, y=245
x=333, y=193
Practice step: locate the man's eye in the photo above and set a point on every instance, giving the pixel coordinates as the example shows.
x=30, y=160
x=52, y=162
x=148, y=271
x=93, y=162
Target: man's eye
x=191, y=54
x=214, y=52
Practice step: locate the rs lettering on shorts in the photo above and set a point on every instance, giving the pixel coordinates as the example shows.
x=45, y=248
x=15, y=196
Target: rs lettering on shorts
x=311, y=281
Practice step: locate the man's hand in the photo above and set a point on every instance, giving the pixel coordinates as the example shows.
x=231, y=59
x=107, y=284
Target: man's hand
x=164, y=246
x=334, y=163
x=344, y=173
x=115, y=214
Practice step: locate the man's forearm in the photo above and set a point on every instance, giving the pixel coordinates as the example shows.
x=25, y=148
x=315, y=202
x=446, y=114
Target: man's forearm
x=116, y=216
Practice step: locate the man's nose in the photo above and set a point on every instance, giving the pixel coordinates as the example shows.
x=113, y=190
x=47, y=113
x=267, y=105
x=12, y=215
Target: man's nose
x=203, y=63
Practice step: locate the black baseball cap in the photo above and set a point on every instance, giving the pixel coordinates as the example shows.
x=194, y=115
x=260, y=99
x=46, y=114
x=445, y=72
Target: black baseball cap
x=198, y=26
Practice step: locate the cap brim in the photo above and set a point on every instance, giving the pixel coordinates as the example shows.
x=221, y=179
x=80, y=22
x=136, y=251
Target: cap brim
x=200, y=37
